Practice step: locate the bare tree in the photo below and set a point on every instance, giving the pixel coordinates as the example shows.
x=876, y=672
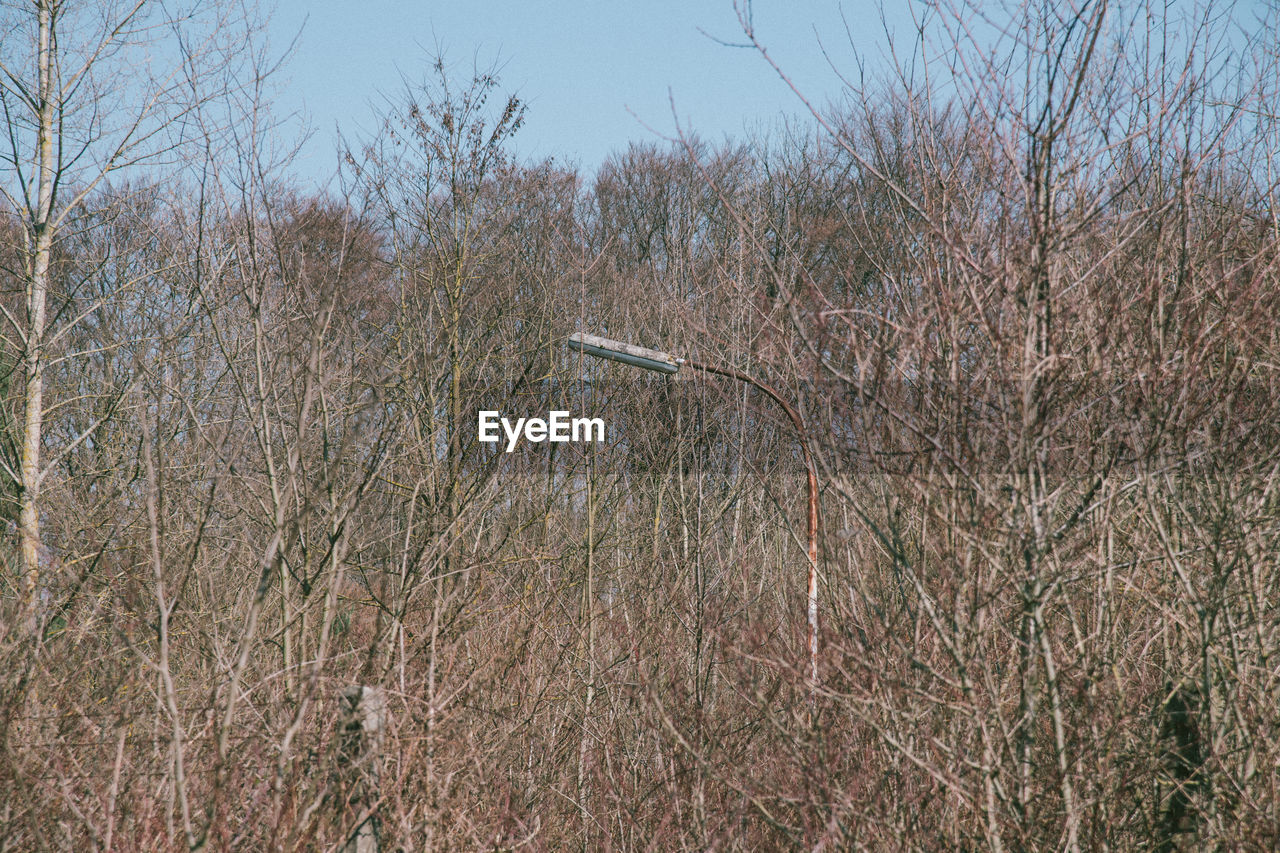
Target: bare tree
x=76, y=111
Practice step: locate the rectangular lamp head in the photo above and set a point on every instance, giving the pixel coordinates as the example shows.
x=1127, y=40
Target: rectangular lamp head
x=626, y=353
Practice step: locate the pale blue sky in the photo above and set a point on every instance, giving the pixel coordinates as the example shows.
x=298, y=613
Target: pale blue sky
x=594, y=73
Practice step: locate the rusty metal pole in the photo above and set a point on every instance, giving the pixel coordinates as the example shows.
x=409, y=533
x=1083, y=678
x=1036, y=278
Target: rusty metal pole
x=802, y=434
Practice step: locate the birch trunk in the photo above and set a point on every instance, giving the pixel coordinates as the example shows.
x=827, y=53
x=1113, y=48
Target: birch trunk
x=37, y=289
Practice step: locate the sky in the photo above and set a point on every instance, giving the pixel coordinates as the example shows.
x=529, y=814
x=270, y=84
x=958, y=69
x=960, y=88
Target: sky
x=595, y=74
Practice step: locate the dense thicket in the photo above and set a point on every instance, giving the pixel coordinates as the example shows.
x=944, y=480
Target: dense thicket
x=1023, y=295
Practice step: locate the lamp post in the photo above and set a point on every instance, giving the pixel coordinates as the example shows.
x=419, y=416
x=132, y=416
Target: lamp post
x=662, y=362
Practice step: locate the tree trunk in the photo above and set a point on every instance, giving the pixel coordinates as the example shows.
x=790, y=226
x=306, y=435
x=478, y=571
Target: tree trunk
x=37, y=288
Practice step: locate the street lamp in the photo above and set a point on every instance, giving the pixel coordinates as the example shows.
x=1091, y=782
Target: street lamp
x=662, y=362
